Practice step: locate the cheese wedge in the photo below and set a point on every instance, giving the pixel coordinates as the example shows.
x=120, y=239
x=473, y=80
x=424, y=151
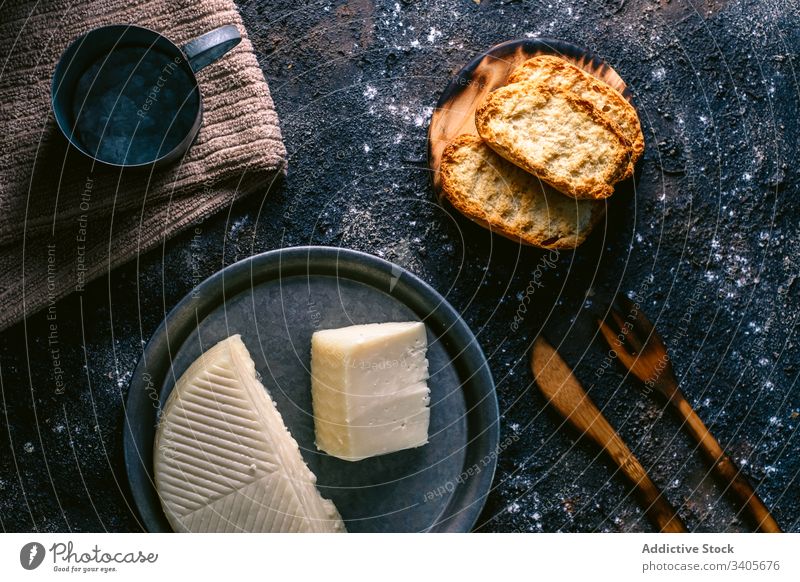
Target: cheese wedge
x=369, y=389
x=223, y=459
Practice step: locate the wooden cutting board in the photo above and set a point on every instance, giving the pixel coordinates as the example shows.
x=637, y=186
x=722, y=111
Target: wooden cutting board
x=455, y=111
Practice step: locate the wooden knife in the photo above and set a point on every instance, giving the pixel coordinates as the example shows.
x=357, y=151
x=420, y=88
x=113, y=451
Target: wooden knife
x=567, y=396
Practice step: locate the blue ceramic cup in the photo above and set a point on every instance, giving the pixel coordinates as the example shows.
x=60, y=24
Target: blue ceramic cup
x=127, y=96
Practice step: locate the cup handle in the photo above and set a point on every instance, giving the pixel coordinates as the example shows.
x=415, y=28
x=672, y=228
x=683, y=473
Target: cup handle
x=209, y=47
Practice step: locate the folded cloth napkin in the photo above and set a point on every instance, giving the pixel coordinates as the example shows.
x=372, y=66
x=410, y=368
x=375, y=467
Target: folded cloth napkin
x=63, y=220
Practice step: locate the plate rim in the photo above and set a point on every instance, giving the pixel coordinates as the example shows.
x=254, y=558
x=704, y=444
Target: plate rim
x=403, y=285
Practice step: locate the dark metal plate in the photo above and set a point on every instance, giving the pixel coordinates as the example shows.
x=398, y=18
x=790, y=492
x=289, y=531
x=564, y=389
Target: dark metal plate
x=276, y=300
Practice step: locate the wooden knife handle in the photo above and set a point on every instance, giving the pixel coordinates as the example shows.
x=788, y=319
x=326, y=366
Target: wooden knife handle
x=724, y=468
x=584, y=415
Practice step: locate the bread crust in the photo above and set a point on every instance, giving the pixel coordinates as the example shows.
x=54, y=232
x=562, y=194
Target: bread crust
x=519, y=120
x=504, y=198
x=557, y=72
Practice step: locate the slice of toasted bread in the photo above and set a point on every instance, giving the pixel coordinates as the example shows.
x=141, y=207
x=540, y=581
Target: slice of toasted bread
x=557, y=136
x=505, y=198
x=558, y=73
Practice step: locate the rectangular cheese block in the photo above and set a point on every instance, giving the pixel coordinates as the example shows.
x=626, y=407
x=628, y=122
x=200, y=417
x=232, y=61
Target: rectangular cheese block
x=369, y=389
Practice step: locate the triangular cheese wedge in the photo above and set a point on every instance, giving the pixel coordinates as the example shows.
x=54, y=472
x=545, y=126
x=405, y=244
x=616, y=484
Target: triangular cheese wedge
x=223, y=459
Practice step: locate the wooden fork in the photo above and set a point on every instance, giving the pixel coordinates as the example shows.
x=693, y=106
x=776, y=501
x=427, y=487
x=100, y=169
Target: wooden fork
x=640, y=349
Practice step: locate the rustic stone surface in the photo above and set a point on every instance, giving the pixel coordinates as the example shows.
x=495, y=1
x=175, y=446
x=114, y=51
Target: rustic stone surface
x=712, y=225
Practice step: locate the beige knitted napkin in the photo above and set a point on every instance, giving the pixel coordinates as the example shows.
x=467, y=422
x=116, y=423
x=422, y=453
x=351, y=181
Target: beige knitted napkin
x=64, y=222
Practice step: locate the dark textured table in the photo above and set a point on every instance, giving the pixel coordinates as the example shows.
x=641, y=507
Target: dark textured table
x=709, y=234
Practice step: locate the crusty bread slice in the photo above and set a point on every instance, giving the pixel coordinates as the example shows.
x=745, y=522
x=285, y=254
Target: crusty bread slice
x=505, y=198
x=557, y=136
x=558, y=73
